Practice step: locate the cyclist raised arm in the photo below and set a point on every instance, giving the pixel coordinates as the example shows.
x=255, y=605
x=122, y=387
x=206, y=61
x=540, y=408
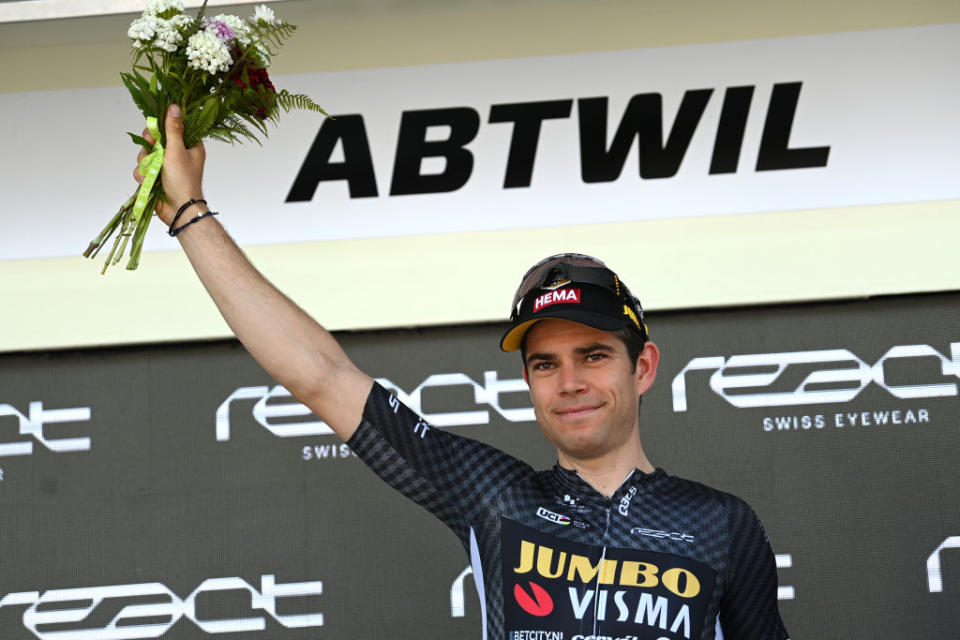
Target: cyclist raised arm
x=290, y=345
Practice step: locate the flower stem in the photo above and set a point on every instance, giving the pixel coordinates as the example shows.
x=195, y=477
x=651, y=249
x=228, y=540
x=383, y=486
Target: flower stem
x=141, y=229
x=97, y=243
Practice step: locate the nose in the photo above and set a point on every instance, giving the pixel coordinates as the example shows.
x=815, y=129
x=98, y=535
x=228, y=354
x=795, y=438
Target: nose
x=571, y=379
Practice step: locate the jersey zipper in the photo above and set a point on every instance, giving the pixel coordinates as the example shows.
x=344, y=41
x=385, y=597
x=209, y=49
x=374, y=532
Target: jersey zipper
x=596, y=588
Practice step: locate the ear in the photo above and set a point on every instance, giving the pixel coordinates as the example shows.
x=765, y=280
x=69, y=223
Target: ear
x=525, y=379
x=647, y=363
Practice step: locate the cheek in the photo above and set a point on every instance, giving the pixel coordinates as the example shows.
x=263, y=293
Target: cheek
x=550, y=436
x=539, y=392
x=539, y=409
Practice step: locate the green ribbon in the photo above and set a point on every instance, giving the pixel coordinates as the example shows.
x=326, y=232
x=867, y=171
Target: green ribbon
x=150, y=170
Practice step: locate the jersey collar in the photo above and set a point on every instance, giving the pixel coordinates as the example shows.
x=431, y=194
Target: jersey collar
x=637, y=481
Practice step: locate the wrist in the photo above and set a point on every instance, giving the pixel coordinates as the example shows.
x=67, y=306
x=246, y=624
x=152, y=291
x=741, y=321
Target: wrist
x=193, y=204
x=177, y=227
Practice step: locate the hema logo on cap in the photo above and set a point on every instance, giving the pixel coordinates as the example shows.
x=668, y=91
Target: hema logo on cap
x=553, y=297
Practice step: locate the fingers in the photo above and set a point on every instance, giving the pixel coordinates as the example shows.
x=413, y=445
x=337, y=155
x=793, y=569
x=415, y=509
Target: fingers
x=182, y=170
x=140, y=156
x=173, y=125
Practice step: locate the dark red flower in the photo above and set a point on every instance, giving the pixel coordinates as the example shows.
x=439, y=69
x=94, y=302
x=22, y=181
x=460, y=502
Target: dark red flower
x=258, y=90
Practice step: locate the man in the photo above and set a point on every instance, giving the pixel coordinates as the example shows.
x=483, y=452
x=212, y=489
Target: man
x=604, y=545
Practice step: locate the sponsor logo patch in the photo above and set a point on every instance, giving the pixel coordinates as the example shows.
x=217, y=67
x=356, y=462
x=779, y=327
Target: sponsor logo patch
x=557, y=585
x=656, y=533
x=625, y=501
x=537, y=603
x=553, y=297
x=546, y=514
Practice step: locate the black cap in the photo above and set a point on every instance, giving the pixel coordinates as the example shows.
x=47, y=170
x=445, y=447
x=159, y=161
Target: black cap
x=573, y=287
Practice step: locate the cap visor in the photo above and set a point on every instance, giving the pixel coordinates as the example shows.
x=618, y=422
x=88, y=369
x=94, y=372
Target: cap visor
x=513, y=338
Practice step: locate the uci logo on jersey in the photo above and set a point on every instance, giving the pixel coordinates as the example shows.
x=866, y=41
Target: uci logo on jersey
x=557, y=518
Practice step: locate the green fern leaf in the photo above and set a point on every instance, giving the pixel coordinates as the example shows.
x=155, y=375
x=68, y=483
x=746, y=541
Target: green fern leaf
x=145, y=102
x=238, y=129
x=223, y=135
x=290, y=101
x=141, y=141
x=201, y=121
x=255, y=121
x=141, y=82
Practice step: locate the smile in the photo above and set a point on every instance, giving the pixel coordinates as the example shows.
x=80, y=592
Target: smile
x=573, y=413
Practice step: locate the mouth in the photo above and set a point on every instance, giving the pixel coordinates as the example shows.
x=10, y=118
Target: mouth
x=577, y=412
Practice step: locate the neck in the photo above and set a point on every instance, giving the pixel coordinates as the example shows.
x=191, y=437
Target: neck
x=607, y=472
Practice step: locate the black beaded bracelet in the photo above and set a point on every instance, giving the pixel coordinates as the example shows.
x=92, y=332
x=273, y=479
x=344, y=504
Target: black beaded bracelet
x=184, y=207
x=177, y=231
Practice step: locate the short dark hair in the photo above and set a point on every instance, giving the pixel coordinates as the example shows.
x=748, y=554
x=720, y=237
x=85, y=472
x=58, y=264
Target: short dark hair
x=633, y=339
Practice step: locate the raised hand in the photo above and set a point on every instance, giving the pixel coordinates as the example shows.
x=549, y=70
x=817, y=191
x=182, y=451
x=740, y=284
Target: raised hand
x=182, y=172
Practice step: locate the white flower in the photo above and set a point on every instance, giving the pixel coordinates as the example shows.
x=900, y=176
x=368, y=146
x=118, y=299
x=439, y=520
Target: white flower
x=143, y=28
x=167, y=8
x=168, y=39
x=264, y=16
x=206, y=53
x=166, y=45
x=241, y=30
x=181, y=21
x=170, y=32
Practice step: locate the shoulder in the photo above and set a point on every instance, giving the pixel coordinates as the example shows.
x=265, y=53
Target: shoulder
x=383, y=406
x=387, y=418
x=735, y=508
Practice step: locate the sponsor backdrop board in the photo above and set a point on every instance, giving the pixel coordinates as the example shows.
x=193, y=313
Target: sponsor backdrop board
x=728, y=154
x=703, y=130
x=175, y=492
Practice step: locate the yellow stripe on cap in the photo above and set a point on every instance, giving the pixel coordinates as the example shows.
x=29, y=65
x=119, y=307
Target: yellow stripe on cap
x=514, y=337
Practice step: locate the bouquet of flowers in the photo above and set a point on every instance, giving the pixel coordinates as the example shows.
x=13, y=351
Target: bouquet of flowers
x=215, y=68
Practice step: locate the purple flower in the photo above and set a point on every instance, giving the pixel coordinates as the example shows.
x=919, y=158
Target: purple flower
x=221, y=30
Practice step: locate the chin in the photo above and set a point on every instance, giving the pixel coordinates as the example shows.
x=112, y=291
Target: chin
x=576, y=437
x=583, y=447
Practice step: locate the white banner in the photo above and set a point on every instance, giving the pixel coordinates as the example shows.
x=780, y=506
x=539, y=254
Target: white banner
x=767, y=125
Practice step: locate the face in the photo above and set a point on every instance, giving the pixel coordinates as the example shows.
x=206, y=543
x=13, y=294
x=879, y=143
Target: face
x=584, y=388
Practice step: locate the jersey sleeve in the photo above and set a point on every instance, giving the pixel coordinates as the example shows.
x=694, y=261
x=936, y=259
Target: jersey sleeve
x=451, y=476
x=748, y=607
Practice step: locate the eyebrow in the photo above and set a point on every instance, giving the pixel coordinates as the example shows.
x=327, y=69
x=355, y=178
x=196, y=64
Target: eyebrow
x=596, y=346
x=581, y=351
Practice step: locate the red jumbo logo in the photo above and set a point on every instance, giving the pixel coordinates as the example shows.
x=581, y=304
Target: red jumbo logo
x=539, y=604
x=553, y=297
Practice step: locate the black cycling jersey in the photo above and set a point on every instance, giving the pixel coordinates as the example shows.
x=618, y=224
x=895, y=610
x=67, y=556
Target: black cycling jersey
x=662, y=559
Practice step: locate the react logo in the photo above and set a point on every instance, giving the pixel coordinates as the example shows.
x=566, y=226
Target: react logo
x=738, y=374
x=32, y=425
x=539, y=604
x=934, y=573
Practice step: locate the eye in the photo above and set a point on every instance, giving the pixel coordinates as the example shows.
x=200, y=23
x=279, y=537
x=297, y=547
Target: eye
x=596, y=356
x=542, y=366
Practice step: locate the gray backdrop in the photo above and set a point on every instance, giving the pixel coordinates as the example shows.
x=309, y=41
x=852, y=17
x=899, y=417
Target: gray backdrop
x=132, y=511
